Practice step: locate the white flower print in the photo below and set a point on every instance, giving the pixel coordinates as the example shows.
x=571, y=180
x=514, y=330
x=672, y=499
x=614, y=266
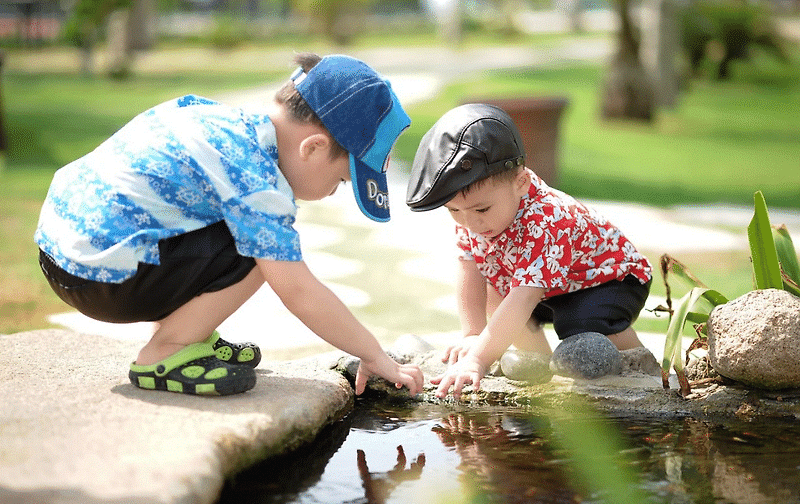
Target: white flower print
x=104, y=275
x=159, y=168
x=491, y=267
x=553, y=254
x=188, y=197
x=251, y=181
x=266, y=239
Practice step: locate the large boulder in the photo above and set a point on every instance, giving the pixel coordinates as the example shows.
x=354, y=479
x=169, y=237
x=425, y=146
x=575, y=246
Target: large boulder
x=755, y=339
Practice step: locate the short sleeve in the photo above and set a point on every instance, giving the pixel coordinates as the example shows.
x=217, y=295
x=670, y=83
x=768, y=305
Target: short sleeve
x=464, y=244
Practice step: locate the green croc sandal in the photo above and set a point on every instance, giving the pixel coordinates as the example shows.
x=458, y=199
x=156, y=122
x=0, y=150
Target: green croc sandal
x=194, y=370
x=247, y=354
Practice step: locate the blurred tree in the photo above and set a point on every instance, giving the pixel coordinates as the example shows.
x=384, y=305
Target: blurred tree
x=337, y=20
x=627, y=91
x=84, y=26
x=660, y=49
x=130, y=28
x=721, y=31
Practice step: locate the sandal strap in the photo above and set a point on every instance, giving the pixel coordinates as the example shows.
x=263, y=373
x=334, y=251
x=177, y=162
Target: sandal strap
x=215, y=336
x=185, y=355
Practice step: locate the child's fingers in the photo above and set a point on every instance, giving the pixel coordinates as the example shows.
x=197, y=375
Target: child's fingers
x=460, y=382
x=448, y=354
x=361, y=380
x=419, y=378
x=476, y=381
x=455, y=353
x=444, y=386
x=411, y=377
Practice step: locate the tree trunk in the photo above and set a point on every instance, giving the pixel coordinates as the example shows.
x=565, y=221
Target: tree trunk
x=142, y=25
x=627, y=90
x=119, y=54
x=660, y=48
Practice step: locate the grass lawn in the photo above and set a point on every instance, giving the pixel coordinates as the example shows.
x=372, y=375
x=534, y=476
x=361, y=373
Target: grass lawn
x=722, y=142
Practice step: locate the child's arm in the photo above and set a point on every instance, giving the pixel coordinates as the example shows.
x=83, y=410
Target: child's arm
x=322, y=312
x=471, y=292
x=509, y=319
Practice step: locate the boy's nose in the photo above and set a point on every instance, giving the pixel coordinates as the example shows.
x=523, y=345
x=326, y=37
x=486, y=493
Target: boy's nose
x=473, y=222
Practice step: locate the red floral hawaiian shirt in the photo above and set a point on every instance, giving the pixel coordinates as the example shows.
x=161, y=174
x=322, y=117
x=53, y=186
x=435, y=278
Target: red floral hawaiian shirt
x=555, y=243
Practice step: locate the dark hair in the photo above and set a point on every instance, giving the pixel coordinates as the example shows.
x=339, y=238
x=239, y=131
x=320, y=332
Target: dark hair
x=506, y=175
x=299, y=109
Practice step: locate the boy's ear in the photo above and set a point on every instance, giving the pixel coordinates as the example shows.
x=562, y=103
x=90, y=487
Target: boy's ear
x=318, y=143
x=523, y=180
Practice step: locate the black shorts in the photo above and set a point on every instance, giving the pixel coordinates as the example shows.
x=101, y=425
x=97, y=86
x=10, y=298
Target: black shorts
x=608, y=308
x=205, y=260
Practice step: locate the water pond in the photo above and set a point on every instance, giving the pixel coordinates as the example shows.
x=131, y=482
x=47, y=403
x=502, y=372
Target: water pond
x=428, y=453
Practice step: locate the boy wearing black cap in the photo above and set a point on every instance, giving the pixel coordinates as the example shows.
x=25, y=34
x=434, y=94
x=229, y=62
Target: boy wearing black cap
x=186, y=211
x=545, y=256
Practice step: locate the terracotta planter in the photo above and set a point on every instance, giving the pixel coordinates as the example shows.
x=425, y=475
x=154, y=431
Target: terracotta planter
x=537, y=119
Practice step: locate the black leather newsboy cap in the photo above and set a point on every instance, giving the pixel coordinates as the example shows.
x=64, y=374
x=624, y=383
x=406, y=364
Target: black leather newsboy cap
x=467, y=144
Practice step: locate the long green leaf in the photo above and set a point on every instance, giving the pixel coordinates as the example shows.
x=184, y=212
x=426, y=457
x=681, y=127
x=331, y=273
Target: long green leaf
x=766, y=267
x=671, y=265
x=696, y=303
x=787, y=256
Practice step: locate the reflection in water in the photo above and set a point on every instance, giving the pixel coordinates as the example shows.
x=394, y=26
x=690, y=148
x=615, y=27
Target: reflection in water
x=385, y=453
x=378, y=486
x=504, y=456
x=692, y=461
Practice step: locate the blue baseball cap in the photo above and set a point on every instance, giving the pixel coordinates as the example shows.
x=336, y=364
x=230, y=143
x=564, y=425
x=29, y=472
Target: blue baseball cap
x=362, y=113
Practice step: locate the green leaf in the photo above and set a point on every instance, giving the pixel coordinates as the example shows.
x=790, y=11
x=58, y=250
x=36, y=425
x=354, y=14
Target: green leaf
x=697, y=318
x=671, y=265
x=695, y=306
x=787, y=256
x=766, y=267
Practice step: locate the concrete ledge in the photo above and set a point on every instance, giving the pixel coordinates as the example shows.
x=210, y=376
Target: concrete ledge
x=73, y=428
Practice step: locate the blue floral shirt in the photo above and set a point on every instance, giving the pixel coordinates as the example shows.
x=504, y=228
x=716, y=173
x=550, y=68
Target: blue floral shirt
x=180, y=166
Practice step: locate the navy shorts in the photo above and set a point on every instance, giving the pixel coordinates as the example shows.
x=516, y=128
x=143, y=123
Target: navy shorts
x=205, y=260
x=608, y=308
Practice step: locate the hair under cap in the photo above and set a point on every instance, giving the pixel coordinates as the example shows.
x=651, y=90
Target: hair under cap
x=467, y=144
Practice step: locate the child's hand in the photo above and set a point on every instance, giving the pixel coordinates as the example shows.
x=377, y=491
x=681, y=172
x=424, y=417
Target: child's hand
x=400, y=374
x=467, y=370
x=456, y=352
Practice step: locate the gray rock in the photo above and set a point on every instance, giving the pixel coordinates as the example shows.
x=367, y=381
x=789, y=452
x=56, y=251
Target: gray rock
x=410, y=345
x=526, y=366
x=699, y=366
x=408, y=348
x=586, y=355
x=640, y=360
x=755, y=339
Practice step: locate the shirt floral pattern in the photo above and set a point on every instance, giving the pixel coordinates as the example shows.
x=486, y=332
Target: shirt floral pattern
x=555, y=243
x=180, y=166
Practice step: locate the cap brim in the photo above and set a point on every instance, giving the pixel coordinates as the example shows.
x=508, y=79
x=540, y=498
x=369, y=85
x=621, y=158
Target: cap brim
x=370, y=189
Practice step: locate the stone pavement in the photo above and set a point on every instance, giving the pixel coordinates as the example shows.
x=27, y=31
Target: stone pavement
x=73, y=429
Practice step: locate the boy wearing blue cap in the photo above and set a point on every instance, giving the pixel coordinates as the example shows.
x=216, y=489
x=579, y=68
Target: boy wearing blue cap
x=529, y=253
x=186, y=211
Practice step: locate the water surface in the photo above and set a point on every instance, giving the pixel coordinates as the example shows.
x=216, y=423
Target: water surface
x=425, y=453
